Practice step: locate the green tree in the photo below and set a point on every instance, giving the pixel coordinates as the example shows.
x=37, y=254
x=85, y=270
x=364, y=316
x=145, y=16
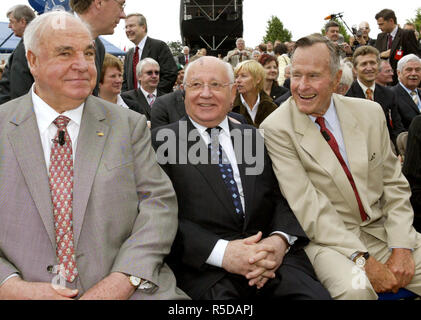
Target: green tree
x=342, y=30
x=275, y=31
x=416, y=20
x=176, y=47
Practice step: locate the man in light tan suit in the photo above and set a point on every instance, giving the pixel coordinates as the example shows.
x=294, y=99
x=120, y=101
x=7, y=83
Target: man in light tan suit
x=84, y=206
x=351, y=230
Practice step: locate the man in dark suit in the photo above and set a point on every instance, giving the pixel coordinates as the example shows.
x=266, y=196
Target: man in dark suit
x=102, y=17
x=366, y=61
x=184, y=58
x=394, y=42
x=235, y=227
x=407, y=90
x=136, y=31
x=141, y=100
x=17, y=79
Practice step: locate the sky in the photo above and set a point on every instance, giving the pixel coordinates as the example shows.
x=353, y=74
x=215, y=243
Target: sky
x=301, y=17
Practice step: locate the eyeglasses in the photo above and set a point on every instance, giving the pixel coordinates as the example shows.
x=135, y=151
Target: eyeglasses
x=150, y=72
x=121, y=4
x=213, y=86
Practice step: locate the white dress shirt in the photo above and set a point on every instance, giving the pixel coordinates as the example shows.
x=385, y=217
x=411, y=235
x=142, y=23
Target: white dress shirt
x=146, y=94
x=364, y=87
x=217, y=255
x=252, y=112
x=333, y=125
x=121, y=102
x=46, y=115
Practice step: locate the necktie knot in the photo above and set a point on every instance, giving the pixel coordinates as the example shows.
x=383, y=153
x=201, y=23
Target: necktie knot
x=321, y=122
x=61, y=122
x=151, y=98
x=369, y=94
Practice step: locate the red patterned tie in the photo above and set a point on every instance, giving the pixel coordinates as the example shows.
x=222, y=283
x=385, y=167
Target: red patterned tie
x=61, y=186
x=389, y=41
x=335, y=148
x=135, y=62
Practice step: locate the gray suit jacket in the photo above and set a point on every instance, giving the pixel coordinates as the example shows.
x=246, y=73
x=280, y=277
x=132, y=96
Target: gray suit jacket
x=124, y=206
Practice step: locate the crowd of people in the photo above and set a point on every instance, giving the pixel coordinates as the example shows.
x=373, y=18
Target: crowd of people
x=285, y=171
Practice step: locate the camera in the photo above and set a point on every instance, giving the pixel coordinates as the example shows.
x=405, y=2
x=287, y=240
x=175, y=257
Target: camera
x=357, y=35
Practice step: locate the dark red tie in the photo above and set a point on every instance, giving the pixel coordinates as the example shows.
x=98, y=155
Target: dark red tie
x=389, y=41
x=187, y=59
x=135, y=62
x=335, y=148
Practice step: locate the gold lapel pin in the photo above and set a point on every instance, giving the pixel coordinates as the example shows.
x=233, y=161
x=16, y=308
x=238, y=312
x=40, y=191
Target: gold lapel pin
x=100, y=134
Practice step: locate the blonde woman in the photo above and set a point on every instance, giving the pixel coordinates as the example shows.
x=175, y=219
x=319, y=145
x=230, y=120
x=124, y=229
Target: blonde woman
x=252, y=101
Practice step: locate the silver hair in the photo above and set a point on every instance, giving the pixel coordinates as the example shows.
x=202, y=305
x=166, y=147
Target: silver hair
x=347, y=75
x=21, y=11
x=55, y=20
x=410, y=57
x=226, y=65
x=145, y=62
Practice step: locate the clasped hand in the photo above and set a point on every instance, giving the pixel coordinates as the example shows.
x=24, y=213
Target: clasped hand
x=255, y=258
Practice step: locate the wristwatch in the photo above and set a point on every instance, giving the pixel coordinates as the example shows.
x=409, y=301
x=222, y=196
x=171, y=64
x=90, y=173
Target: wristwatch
x=135, y=281
x=361, y=258
x=141, y=284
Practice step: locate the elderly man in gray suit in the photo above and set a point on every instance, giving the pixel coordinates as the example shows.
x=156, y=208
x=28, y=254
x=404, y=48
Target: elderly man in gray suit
x=85, y=210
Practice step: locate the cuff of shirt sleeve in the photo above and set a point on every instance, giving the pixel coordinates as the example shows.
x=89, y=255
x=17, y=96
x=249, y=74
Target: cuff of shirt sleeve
x=291, y=239
x=9, y=277
x=217, y=255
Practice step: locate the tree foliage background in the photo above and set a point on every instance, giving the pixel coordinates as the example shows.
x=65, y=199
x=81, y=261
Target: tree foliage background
x=342, y=30
x=176, y=47
x=275, y=31
x=417, y=19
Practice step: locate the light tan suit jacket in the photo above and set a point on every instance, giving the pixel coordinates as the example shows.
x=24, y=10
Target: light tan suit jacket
x=317, y=189
x=124, y=206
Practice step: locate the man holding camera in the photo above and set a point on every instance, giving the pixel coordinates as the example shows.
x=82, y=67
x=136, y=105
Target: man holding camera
x=239, y=54
x=333, y=34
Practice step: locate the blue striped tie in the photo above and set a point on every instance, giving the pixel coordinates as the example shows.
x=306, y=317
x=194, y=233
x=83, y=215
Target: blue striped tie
x=218, y=156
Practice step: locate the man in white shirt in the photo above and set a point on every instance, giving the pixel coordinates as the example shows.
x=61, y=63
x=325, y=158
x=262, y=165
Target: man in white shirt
x=82, y=196
x=147, y=47
x=235, y=227
x=141, y=100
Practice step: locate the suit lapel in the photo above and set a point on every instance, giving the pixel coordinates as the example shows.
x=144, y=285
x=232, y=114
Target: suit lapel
x=314, y=144
x=26, y=144
x=146, y=49
x=91, y=141
x=211, y=174
x=143, y=103
x=395, y=44
x=247, y=181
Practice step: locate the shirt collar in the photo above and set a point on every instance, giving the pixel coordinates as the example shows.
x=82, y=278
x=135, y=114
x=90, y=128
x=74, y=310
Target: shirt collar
x=141, y=44
x=364, y=87
x=202, y=129
x=330, y=116
x=146, y=93
x=406, y=89
x=394, y=32
x=46, y=115
x=243, y=101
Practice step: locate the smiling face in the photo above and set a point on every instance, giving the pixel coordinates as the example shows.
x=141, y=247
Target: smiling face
x=205, y=106
x=410, y=76
x=113, y=80
x=135, y=32
x=367, y=67
x=110, y=12
x=64, y=66
x=312, y=83
x=271, y=71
